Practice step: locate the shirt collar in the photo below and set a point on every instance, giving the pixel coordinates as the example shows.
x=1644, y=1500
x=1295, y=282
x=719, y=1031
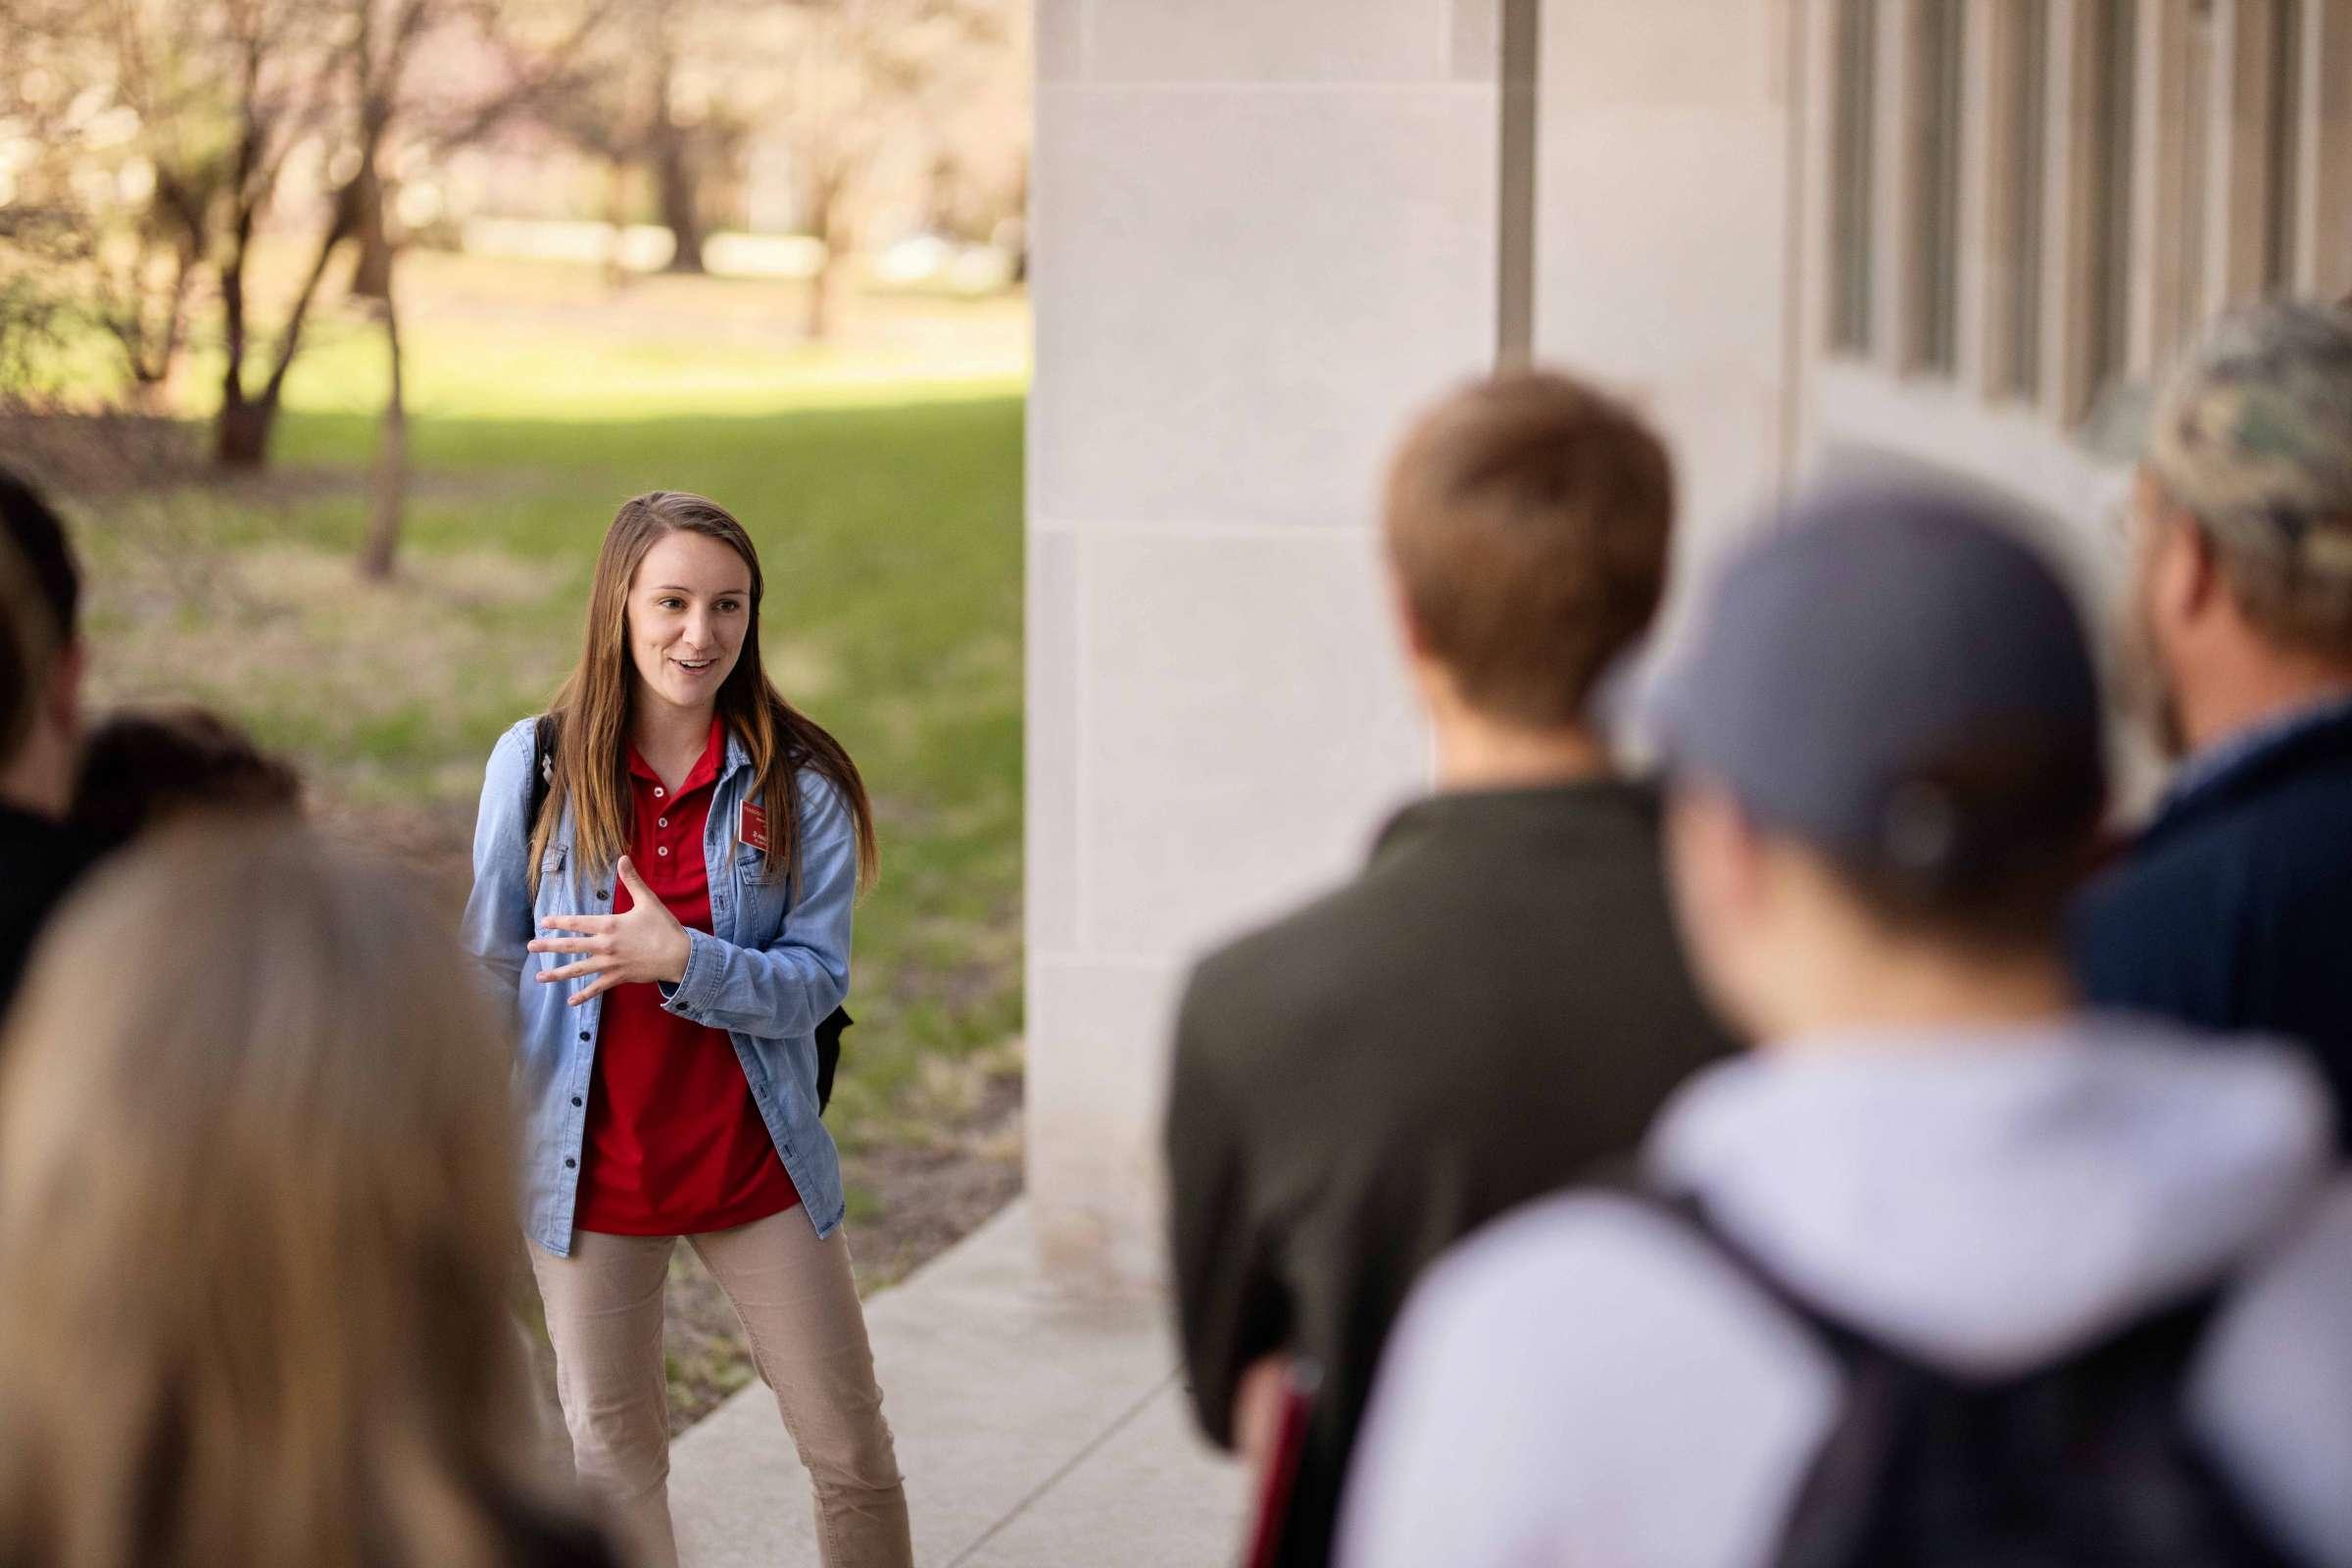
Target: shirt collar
x=717, y=748
x=1538, y=809
x=2227, y=758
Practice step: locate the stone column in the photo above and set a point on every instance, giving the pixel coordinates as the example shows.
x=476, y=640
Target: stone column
x=1263, y=234
x=1665, y=262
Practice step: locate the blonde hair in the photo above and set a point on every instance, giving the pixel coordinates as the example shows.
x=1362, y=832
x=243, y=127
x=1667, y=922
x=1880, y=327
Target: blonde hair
x=592, y=711
x=256, y=1224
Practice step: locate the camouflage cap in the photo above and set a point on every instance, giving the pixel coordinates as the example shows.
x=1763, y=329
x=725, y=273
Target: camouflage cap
x=2253, y=435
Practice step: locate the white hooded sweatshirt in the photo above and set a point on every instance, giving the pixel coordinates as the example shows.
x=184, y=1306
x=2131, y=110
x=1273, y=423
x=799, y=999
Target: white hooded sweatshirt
x=1586, y=1383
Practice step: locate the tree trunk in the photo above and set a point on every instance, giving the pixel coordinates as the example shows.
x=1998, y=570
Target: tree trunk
x=241, y=432
x=673, y=174
x=616, y=213
x=391, y=483
x=818, y=325
x=824, y=290
x=371, y=274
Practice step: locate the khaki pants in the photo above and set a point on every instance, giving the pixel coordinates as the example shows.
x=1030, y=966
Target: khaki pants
x=800, y=1312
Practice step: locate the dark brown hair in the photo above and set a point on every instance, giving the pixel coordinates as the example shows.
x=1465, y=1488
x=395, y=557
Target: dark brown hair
x=1529, y=519
x=32, y=526
x=1985, y=845
x=25, y=648
x=593, y=709
x=140, y=769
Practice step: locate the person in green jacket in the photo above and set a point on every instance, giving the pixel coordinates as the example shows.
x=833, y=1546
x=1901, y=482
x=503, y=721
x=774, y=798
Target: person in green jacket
x=1498, y=1002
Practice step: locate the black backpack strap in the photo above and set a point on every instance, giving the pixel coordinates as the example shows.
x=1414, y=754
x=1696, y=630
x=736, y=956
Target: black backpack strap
x=828, y=1054
x=543, y=766
x=1688, y=1212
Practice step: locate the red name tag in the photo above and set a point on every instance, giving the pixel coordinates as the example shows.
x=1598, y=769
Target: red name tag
x=754, y=826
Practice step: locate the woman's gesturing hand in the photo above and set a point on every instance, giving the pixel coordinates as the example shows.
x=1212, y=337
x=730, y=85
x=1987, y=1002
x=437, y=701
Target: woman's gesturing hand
x=645, y=944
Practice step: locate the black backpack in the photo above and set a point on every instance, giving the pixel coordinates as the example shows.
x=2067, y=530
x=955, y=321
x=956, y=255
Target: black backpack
x=828, y=1032
x=2086, y=1462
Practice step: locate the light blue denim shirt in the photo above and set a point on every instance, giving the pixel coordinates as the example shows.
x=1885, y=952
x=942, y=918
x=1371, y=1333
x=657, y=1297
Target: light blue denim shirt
x=767, y=972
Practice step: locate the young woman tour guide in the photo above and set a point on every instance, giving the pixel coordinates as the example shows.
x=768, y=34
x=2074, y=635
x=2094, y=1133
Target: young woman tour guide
x=664, y=868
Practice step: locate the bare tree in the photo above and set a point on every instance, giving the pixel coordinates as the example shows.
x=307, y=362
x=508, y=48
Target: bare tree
x=537, y=70
x=636, y=108
x=861, y=77
x=368, y=77
x=269, y=120
x=211, y=104
x=117, y=124
x=685, y=84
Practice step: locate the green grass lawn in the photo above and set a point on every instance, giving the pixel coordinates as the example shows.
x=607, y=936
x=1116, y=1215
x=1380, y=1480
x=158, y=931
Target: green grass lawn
x=886, y=500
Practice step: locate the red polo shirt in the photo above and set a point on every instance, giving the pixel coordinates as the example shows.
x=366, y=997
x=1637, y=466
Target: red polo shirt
x=675, y=1145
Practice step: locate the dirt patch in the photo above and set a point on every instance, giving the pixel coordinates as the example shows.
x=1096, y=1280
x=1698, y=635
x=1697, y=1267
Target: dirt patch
x=377, y=676
x=431, y=843
x=282, y=486
x=100, y=454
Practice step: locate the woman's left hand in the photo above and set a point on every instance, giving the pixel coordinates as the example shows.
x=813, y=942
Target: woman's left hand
x=643, y=946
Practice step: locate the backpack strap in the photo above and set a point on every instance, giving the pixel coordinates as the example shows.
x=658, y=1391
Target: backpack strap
x=543, y=766
x=828, y=1054
x=1688, y=1212
x=2173, y=1332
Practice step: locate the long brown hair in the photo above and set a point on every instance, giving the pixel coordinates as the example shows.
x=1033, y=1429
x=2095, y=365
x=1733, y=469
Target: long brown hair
x=593, y=709
x=256, y=1204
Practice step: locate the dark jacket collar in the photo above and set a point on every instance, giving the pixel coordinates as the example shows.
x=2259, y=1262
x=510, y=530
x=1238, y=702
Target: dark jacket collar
x=1515, y=813
x=2327, y=742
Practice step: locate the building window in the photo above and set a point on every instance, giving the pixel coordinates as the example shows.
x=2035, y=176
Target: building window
x=2284, y=131
x=2196, y=142
x=1936, y=210
x=2028, y=73
x=2115, y=72
x=1853, y=175
x=2324, y=197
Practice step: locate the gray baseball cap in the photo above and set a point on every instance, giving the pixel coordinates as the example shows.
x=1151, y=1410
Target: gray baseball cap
x=1892, y=675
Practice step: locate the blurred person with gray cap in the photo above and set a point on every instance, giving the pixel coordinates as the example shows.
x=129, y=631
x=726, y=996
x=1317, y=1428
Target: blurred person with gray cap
x=2233, y=910
x=1947, y=1269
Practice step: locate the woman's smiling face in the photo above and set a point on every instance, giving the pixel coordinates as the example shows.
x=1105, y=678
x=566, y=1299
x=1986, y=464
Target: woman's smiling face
x=689, y=610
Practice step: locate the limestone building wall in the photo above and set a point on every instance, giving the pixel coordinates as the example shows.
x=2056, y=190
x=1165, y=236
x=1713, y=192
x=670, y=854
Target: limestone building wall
x=1262, y=234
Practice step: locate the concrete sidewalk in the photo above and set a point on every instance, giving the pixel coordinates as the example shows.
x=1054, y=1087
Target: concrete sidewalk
x=1036, y=1429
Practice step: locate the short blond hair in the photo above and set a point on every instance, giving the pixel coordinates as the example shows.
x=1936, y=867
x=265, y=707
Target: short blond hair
x=1530, y=519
